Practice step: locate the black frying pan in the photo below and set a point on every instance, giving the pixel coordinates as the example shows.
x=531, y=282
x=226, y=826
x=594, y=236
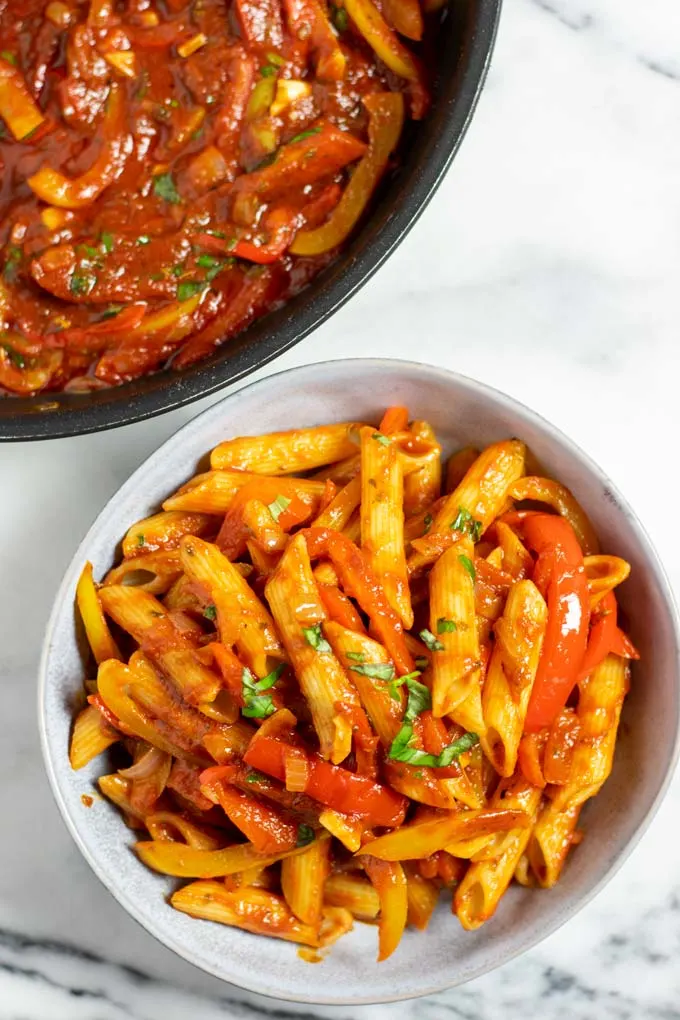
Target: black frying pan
x=462, y=50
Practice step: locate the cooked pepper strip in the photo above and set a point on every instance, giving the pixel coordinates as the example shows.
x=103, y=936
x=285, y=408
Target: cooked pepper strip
x=560, y=576
x=74, y=193
x=17, y=106
x=380, y=37
x=331, y=785
x=386, y=118
x=605, y=637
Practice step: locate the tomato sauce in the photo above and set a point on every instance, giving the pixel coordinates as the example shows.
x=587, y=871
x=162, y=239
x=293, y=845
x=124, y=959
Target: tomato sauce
x=171, y=171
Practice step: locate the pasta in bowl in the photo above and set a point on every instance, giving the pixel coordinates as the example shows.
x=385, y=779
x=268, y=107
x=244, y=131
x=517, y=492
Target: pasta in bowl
x=344, y=695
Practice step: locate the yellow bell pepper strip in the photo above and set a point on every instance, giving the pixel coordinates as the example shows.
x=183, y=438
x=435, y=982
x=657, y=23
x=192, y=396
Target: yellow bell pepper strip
x=17, y=106
x=386, y=118
x=380, y=37
x=67, y=193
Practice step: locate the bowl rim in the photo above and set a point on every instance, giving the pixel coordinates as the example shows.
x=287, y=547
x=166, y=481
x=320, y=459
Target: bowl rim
x=169, y=390
x=476, y=389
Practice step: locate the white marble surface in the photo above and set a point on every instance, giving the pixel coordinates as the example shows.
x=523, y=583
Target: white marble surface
x=548, y=266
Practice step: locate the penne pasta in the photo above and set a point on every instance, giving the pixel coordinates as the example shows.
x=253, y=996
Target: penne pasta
x=91, y=613
x=91, y=735
x=155, y=572
x=344, y=889
x=382, y=519
x=303, y=878
x=214, y=491
x=163, y=531
x=286, y=453
x=422, y=487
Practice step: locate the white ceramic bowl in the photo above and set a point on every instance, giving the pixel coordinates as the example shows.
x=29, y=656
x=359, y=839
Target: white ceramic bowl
x=462, y=412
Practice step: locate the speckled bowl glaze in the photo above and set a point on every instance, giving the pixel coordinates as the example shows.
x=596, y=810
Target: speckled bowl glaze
x=462, y=411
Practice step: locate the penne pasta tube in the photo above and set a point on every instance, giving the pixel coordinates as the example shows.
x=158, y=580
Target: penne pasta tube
x=516, y=558
x=349, y=829
x=117, y=789
x=258, y=911
x=303, y=878
x=91, y=735
x=164, y=531
x=456, y=656
x=166, y=825
x=242, y=619
x=297, y=608
x=422, y=896
x=604, y=573
x=339, y=511
x=155, y=572
x=214, y=491
x=458, y=465
x=550, y=842
x=421, y=839
x=341, y=472
x=545, y=490
x=344, y=889
x=422, y=487
x=285, y=453
x=382, y=519
x=484, y=883
x=145, y=618
x=511, y=674
x=91, y=613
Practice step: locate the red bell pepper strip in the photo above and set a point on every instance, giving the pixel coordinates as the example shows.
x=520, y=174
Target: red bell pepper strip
x=265, y=826
x=560, y=576
x=605, y=637
x=360, y=583
x=330, y=784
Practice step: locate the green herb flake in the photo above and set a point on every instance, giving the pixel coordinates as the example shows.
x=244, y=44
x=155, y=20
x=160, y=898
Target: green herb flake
x=256, y=777
x=268, y=71
x=305, y=134
x=380, y=438
x=465, y=522
x=422, y=662
x=340, y=19
x=305, y=835
x=143, y=239
x=469, y=565
x=140, y=540
x=214, y=270
x=399, y=681
x=178, y=270
x=15, y=356
x=82, y=283
x=210, y=612
x=12, y=261
x=427, y=523
x=315, y=638
x=375, y=670
x=207, y=261
x=276, y=59
x=111, y=312
x=106, y=240
x=188, y=288
x=9, y=57
x=164, y=187
x=430, y=641
x=355, y=656
x=217, y=233
x=278, y=506
x=256, y=703
x=445, y=626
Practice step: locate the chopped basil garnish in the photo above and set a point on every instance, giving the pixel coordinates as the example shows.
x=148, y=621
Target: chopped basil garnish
x=257, y=704
x=315, y=638
x=422, y=662
x=469, y=565
x=82, y=283
x=340, y=19
x=112, y=311
x=465, y=522
x=256, y=777
x=402, y=749
x=140, y=540
x=445, y=626
x=12, y=261
x=305, y=835
x=376, y=670
x=267, y=71
x=9, y=57
x=430, y=641
x=164, y=187
x=278, y=506
x=355, y=656
x=399, y=681
x=427, y=523
x=207, y=261
x=16, y=357
x=210, y=612
x=380, y=438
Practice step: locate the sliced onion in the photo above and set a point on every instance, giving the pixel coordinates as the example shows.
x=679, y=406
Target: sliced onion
x=297, y=770
x=145, y=766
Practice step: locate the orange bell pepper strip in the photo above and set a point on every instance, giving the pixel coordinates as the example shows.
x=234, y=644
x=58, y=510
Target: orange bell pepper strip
x=361, y=583
x=17, y=107
x=382, y=40
x=329, y=784
x=75, y=193
x=386, y=118
x=395, y=419
x=560, y=576
x=405, y=17
x=340, y=608
x=389, y=881
x=290, y=511
x=263, y=825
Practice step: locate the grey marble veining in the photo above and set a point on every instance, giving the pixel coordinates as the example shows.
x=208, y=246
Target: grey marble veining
x=547, y=265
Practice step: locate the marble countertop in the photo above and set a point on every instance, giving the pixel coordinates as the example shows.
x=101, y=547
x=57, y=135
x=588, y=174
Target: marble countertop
x=547, y=265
